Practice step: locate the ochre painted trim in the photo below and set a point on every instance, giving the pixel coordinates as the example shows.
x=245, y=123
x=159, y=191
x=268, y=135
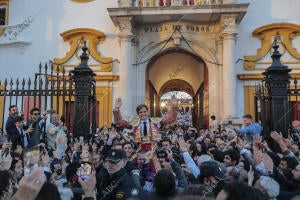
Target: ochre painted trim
x=93, y=38
x=249, y=92
x=98, y=78
x=104, y=97
x=5, y=3
x=266, y=34
x=261, y=76
x=250, y=76
x=101, y=78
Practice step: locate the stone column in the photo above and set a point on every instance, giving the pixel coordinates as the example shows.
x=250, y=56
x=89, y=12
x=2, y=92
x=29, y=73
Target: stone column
x=125, y=89
x=229, y=74
x=219, y=94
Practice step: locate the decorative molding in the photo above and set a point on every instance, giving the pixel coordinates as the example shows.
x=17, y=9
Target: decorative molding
x=229, y=23
x=12, y=34
x=266, y=34
x=93, y=38
x=125, y=25
x=248, y=77
x=124, y=3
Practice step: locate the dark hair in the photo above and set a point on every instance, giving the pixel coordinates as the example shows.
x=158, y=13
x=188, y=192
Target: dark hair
x=34, y=109
x=18, y=119
x=12, y=106
x=213, y=117
x=290, y=161
x=240, y=190
x=233, y=154
x=140, y=107
x=164, y=139
x=246, y=165
x=71, y=175
x=193, y=147
x=164, y=183
x=248, y=116
x=218, y=155
x=5, y=177
x=48, y=192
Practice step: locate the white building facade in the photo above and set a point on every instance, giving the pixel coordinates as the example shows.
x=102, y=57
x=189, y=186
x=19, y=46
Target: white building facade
x=215, y=50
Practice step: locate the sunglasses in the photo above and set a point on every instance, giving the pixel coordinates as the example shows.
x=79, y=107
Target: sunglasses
x=36, y=113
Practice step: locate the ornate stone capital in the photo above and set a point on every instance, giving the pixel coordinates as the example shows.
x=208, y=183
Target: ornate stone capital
x=229, y=24
x=124, y=3
x=125, y=26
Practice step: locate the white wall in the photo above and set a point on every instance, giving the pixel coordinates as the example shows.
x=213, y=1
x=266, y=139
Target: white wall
x=57, y=16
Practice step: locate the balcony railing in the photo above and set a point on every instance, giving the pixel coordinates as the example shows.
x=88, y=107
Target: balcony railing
x=169, y=3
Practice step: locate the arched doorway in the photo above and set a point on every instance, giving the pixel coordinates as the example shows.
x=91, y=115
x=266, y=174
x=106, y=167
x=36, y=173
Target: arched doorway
x=185, y=106
x=176, y=69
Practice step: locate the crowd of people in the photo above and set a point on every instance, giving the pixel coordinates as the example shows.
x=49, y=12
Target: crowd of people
x=40, y=159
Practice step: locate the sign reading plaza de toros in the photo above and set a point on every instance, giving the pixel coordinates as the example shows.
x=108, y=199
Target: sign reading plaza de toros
x=181, y=28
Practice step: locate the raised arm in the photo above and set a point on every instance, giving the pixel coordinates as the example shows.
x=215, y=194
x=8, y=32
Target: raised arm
x=118, y=116
x=171, y=117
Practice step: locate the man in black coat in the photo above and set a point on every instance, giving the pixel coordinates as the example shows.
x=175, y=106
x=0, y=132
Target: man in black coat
x=10, y=127
x=118, y=185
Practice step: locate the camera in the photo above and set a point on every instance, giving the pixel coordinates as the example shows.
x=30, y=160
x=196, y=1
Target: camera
x=177, y=155
x=162, y=153
x=117, y=127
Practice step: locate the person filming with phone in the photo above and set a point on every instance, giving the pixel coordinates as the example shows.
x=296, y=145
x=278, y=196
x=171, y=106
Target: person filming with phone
x=35, y=124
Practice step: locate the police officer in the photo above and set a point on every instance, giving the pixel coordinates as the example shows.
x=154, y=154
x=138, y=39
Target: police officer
x=118, y=184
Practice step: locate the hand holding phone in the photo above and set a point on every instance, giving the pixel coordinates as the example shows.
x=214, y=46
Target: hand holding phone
x=84, y=171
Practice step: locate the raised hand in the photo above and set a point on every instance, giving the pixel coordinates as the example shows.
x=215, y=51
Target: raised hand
x=182, y=144
x=89, y=185
x=30, y=185
x=257, y=141
x=276, y=136
x=118, y=103
x=250, y=176
x=112, y=134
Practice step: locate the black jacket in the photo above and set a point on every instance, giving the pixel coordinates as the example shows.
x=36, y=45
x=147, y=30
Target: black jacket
x=13, y=134
x=116, y=187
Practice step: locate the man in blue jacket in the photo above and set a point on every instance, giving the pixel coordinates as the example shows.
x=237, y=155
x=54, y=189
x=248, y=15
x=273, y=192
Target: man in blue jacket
x=249, y=129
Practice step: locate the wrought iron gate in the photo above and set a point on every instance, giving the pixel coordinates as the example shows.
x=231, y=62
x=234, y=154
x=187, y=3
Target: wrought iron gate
x=50, y=89
x=263, y=104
